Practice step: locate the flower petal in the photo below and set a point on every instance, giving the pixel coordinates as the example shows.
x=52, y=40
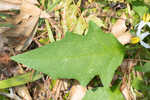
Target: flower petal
x=138, y=33
x=144, y=44
x=143, y=35
x=141, y=25
x=148, y=23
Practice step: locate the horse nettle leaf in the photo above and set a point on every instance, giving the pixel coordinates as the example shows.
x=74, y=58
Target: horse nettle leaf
x=78, y=57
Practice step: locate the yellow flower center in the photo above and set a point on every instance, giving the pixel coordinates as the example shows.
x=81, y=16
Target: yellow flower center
x=135, y=40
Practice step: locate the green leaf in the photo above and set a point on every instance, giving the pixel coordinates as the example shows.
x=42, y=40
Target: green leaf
x=140, y=7
x=103, y=94
x=7, y=25
x=3, y=97
x=78, y=57
x=140, y=10
x=145, y=68
x=19, y=80
x=50, y=34
x=138, y=84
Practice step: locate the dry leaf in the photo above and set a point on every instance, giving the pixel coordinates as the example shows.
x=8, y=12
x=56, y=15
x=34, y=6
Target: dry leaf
x=124, y=38
x=60, y=85
x=127, y=90
x=2, y=41
x=26, y=23
x=23, y=92
x=119, y=30
x=44, y=15
x=8, y=6
x=77, y=92
x=14, y=4
x=20, y=1
x=4, y=58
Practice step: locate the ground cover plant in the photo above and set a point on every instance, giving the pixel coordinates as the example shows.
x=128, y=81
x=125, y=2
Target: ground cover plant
x=74, y=49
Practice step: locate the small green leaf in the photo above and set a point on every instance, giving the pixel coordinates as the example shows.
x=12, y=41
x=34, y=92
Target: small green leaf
x=78, y=57
x=19, y=80
x=140, y=10
x=138, y=84
x=140, y=7
x=145, y=68
x=103, y=94
x=50, y=34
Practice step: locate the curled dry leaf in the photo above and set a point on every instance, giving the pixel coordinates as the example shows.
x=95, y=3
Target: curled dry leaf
x=25, y=23
x=119, y=30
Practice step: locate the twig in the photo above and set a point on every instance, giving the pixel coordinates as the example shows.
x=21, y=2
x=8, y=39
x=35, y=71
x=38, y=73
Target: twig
x=139, y=60
x=11, y=95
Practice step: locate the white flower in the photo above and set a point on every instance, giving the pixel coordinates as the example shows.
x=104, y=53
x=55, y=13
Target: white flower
x=141, y=35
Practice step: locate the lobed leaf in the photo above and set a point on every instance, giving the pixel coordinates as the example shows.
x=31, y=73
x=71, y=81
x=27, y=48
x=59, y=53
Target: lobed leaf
x=78, y=57
x=103, y=94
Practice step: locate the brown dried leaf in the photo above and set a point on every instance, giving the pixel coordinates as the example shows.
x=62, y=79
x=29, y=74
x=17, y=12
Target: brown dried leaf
x=41, y=90
x=119, y=30
x=26, y=23
x=126, y=88
x=77, y=92
x=124, y=38
x=4, y=58
x=60, y=85
x=20, y=1
x=14, y=4
x=23, y=92
x=2, y=41
x=8, y=6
